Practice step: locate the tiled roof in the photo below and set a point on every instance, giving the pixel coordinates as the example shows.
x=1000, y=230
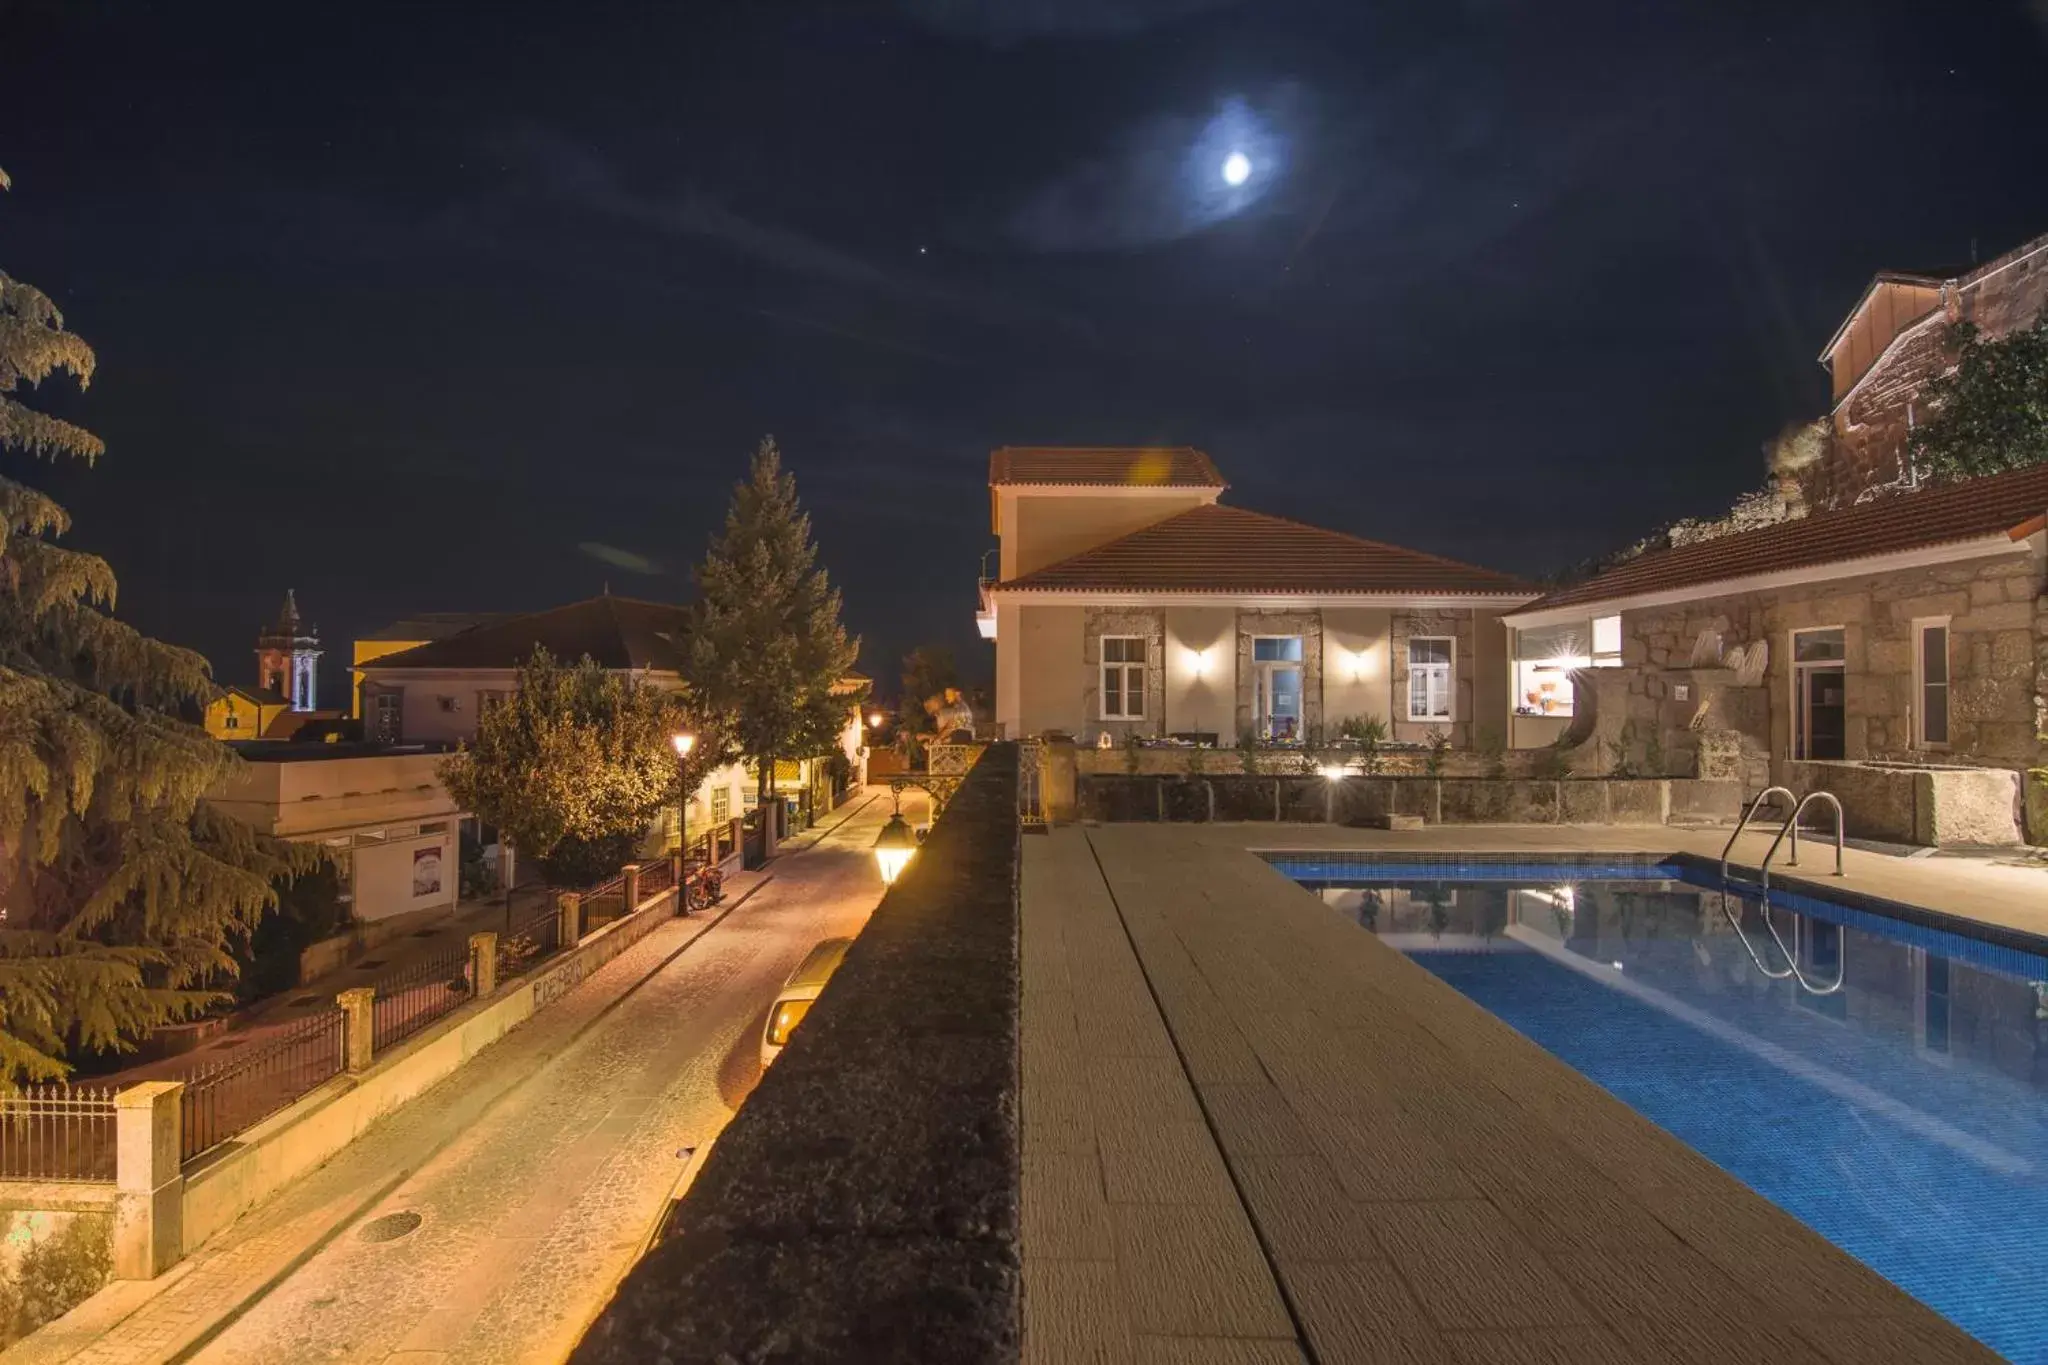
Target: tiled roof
x=1103, y=467
x=1227, y=549
x=618, y=632
x=1971, y=510
x=432, y=625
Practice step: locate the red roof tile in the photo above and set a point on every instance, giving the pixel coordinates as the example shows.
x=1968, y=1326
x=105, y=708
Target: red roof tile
x=1227, y=549
x=1104, y=466
x=618, y=632
x=1971, y=510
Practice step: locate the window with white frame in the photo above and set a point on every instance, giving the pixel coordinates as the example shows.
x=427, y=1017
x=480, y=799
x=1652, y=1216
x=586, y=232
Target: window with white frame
x=1430, y=671
x=1930, y=683
x=1123, y=677
x=1277, y=686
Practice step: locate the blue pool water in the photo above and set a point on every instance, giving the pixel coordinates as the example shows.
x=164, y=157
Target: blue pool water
x=1903, y=1116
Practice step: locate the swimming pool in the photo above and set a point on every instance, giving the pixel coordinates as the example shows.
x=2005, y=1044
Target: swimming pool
x=1903, y=1113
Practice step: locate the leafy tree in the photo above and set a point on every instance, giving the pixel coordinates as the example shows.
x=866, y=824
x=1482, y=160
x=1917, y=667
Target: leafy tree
x=766, y=645
x=578, y=757
x=1990, y=413
x=123, y=890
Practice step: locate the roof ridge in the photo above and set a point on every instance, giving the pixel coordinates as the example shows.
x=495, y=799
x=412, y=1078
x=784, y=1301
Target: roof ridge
x=1369, y=540
x=1932, y=501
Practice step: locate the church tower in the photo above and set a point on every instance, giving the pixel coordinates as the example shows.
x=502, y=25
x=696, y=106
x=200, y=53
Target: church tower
x=287, y=655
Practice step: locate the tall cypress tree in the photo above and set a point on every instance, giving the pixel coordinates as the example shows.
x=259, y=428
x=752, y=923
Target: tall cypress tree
x=766, y=645
x=123, y=891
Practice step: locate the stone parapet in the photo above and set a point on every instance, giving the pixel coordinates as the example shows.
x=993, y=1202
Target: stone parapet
x=862, y=1205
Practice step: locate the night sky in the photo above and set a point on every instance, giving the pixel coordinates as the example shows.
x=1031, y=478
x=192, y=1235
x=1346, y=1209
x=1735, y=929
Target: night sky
x=447, y=307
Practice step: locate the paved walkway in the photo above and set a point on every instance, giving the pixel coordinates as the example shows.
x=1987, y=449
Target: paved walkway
x=1255, y=1135
x=538, y=1170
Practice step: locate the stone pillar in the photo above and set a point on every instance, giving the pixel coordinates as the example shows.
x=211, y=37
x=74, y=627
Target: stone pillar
x=358, y=1026
x=149, y=1188
x=569, y=909
x=483, y=963
x=632, y=875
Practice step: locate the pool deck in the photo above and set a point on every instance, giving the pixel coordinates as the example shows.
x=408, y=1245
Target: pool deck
x=1254, y=1134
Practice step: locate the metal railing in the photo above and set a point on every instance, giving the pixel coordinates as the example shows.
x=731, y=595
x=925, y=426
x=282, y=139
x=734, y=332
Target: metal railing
x=655, y=879
x=408, y=1001
x=60, y=1133
x=605, y=902
x=532, y=941
x=230, y=1096
x=1791, y=969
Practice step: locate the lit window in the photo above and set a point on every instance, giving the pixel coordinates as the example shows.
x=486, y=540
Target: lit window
x=1429, y=677
x=1606, y=641
x=721, y=805
x=1123, y=677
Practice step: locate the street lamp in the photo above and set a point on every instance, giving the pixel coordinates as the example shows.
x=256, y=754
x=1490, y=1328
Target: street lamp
x=684, y=742
x=893, y=848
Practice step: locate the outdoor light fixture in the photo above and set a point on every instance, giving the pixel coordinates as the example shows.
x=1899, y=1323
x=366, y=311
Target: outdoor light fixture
x=1198, y=662
x=893, y=849
x=1334, y=772
x=875, y=720
x=683, y=743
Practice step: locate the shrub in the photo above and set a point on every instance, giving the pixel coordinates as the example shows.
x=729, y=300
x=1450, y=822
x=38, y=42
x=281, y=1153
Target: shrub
x=1439, y=747
x=57, y=1274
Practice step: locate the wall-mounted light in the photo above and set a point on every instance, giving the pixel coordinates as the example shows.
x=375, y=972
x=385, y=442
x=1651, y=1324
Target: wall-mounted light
x=1198, y=662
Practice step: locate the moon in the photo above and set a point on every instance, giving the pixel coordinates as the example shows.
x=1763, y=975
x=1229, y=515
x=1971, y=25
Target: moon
x=1237, y=168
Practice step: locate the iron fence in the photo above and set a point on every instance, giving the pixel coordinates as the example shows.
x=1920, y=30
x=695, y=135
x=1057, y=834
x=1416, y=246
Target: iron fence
x=58, y=1133
x=409, y=1000
x=605, y=902
x=231, y=1096
x=532, y=941
x=655, y=879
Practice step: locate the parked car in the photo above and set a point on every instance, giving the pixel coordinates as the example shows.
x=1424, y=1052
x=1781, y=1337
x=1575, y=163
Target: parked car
x=803, y=987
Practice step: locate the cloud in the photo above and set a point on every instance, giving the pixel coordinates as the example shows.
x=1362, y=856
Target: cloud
x=568, y=171
x=1162, y=180
x=1008, y=21
x=619, y=559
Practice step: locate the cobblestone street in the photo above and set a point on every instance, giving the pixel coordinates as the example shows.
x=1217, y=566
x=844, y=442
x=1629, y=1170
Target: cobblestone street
x=536, y=1172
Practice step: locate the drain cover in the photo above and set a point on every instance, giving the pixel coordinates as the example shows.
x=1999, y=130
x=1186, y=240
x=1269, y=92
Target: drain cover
x=390, y=1227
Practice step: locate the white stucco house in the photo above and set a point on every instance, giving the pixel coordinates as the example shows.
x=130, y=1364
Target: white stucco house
x=1132, y=600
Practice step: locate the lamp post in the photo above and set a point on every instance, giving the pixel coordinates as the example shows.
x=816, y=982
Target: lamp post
x=684, y=742
x=894, y=846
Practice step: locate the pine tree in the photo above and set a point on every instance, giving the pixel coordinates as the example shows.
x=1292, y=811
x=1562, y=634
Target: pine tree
x=579, y=755
x=123, y=893
x=766, y=645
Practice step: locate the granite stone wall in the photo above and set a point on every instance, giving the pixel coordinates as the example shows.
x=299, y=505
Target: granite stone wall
x=862, y=1205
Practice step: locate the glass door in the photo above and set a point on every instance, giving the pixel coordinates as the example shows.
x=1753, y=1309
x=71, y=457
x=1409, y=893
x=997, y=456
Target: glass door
x=1819, y=691
x=1277, y=687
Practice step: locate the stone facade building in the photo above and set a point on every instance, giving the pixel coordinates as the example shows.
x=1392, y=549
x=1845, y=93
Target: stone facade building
x=1890, y=345
x=1905, y=631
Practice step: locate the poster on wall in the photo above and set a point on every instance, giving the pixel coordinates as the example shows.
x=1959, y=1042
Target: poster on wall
x=426, y=871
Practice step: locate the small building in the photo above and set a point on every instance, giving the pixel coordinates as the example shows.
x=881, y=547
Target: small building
x=1893, y=342
x=1131, y=601
x=1888, y=652
x=380, y=810
x=433, y=692
x=409, y=633
x=285, y=699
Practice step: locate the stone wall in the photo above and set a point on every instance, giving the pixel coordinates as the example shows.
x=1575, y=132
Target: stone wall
x=862, y=1205
x=1998, y=662
x=1367, y=800
x=1871, y=425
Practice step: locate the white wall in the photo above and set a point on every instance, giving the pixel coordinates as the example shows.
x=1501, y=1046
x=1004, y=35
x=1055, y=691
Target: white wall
x=1201, y=672
x=382, y=880
x=1357, y=669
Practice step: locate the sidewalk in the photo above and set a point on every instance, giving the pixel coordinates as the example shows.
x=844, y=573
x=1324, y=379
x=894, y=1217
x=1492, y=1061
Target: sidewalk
x=537, y=1168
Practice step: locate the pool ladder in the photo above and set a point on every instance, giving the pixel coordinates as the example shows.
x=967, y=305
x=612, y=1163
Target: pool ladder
x=1791, y=826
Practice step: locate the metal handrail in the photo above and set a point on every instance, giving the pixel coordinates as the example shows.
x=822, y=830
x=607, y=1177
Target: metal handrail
x=1743, y=824
x=1791, y=826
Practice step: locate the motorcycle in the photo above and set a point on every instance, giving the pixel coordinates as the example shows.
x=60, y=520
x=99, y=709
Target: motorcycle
x=703, y=888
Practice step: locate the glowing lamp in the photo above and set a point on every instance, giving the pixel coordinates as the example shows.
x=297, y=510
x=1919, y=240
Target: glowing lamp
x=683, y=743
x=1334, y=772
x=893, y=849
